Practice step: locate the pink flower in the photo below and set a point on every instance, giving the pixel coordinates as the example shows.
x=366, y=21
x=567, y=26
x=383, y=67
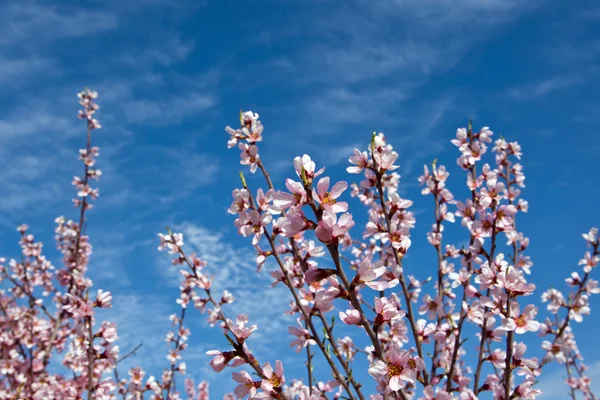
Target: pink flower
x=251, y=129
x=264, y=201
x=432, y=307
x=241, y=201
x=137, y=375
x=78, y=307
x=521, y=323
x=398, y=203
x=346, y=346
x=398, y=236
x=202, y=391
x=273, y=379
x=330, y=228
x=240, y=330
x=591, y=237
x=249, y=156
x=173, y=356
x=324, y=299
x=589, y=262
x=556, y=299
x=305, y=168
x=526, y=365
x=221, y=360
x=360, y=161
x=437, y=394
x=383, y=154
x=227, y=297
x=253, y=223
x=294, y=222
x=461, y=138
x=399, y=368
x=303, y=337
x=350, y=317
x=425, y=330
x=555, y=351
x=108, y=331
x=172, y=242
x=103, y=300
x=525, y=390
x=246, y=385
x=315, y=275
x=466, y=211
x=297, y=197
x=261, y=257
x=386, y=311
x=368, y=271
x=326, y=199
x=579, y=308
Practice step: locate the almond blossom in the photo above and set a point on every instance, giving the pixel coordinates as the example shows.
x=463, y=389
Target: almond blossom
x=399, y=369
x=327, y=199
x=444, y=330
x=521, y=322
x=331, y=228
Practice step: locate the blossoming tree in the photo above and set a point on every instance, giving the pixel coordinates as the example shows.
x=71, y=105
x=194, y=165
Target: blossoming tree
x=52, y=345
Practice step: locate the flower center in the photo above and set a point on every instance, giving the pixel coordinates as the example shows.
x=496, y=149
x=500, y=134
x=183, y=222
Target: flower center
x=327, y=199
x=276, y=381
x=394, y=370
x=255, y=384
x=521, y=321
x=555, y=349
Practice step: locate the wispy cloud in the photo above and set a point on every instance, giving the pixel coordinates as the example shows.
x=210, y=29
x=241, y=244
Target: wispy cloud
x=168, y=111
x=363, y=73
x=35, y=171
x=22, y=22
x=167, y=175
x=15, y=70
x=359, y=41
x=165, y=51
x=234, y=269
x=141, y=319
x=540, y=90
x=323, y=77
x=553, y=385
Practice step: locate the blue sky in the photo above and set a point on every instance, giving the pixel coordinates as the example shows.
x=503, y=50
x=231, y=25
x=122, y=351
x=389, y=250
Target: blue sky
x=323, y=75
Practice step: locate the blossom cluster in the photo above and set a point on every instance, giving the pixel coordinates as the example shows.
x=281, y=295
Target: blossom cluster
x=481, y=288
x=353, y=296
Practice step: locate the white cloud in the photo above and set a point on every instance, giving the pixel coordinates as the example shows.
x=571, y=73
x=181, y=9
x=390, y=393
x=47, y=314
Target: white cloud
x=364, y=63
x=141, y=319
x=361, y=41
x=34, y=121
x=542, y=89
x=171, y=110
x=16, y=69
x=36, y=172
x=553, y=384
x=167, y=175
x=234, y=269
x=23, y=22
x=165, y=52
